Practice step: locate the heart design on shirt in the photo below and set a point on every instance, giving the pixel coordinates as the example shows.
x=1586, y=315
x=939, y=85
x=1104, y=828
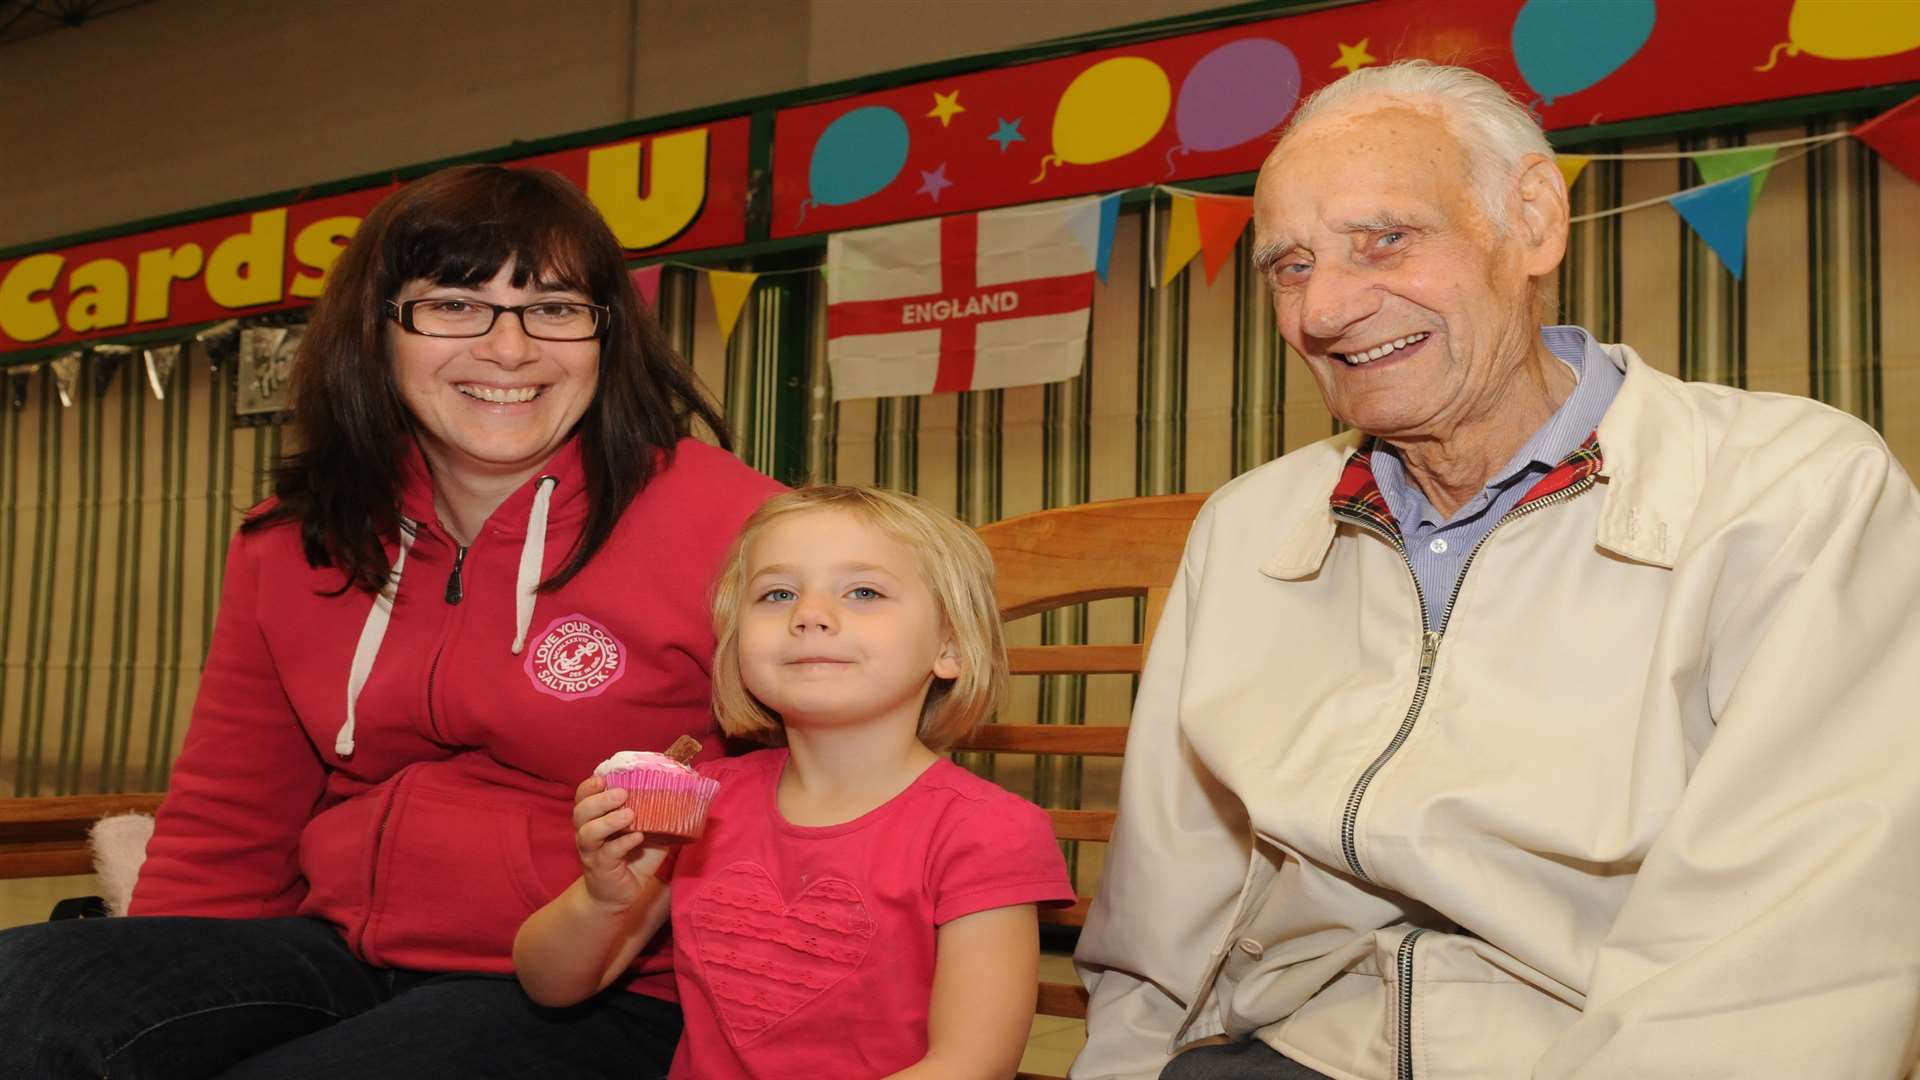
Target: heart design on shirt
x=765, y=958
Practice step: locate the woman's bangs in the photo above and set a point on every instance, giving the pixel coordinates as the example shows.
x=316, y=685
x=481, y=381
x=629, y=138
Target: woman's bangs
x=534, y=233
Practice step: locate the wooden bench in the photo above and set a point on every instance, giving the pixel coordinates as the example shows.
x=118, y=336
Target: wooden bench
x=1055, y=559
x=46, y=836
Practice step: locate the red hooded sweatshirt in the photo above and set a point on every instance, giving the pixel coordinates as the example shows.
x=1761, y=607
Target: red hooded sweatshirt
x=428, y=826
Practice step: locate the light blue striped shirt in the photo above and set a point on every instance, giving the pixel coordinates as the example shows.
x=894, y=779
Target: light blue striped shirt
x=1439, y=549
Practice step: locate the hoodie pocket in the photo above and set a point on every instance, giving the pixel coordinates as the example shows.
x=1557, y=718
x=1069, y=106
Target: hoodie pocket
x=517, y=849
x=457, y=880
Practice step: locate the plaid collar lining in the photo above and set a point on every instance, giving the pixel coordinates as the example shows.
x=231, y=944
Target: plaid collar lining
x=1356, y=496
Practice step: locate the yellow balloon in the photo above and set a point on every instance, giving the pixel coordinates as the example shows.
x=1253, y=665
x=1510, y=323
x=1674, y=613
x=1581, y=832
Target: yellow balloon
x=1113, y=108
x=1850, y=29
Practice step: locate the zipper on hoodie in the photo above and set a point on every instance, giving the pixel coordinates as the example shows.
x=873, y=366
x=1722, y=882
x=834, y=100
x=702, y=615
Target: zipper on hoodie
x=1429, y=655
x=433, y=674
x=454, y=589
x=455, y=592
x=1403, y=970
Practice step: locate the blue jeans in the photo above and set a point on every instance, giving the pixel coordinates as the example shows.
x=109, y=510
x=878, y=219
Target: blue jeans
x=284, y=999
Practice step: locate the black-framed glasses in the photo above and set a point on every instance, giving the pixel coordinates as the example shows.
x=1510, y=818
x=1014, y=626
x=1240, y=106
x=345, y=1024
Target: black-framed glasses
x=459, y=317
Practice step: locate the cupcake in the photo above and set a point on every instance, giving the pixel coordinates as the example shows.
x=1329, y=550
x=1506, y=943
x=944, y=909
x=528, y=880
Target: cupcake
x=669, y=800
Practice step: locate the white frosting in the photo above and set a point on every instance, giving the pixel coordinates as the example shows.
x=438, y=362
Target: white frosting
x=637, y=759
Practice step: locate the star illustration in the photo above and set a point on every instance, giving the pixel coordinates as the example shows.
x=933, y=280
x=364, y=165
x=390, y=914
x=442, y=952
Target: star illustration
x=1008, y=134
x=932, y=183
x=945, y=105
x=1353, y=57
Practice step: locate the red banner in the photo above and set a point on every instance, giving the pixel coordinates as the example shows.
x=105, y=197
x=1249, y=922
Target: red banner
x=661, y=192
x=1178, y=108
x=1207, y=104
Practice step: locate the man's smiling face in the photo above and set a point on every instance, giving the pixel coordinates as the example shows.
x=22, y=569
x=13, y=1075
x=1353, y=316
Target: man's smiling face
x=1410, y=307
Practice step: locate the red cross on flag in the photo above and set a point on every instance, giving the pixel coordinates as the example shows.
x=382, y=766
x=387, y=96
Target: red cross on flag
x=969, y=302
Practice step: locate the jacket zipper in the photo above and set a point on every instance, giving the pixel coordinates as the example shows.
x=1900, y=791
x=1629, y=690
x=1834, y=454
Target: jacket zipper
x=455, y=593
x=1429, y=653
x=454, y=589
x=1403, y=965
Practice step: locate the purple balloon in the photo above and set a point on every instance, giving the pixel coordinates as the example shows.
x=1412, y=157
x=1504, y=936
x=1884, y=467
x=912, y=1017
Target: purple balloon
x=1237, y=92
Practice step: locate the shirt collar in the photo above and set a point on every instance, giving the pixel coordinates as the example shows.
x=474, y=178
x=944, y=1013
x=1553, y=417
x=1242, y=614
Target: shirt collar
x=1594, y=388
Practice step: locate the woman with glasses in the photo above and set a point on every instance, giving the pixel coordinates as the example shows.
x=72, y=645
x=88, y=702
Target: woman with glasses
x=483, y=571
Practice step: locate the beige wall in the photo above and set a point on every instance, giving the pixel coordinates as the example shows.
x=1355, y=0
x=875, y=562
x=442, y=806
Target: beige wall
x=179, y=104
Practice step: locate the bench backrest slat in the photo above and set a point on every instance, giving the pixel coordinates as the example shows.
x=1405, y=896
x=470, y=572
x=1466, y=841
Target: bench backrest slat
x=1055, y=559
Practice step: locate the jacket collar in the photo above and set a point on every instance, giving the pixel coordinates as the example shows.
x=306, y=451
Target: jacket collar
x=568, y=501
x=1651, y=473
x=1656, y=463
x=1308, y=508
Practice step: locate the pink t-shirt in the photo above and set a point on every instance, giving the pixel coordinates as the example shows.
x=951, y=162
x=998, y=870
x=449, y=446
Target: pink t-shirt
x=809, y=952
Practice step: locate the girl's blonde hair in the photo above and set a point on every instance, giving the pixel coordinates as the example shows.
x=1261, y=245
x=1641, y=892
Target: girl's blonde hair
x=956, y=568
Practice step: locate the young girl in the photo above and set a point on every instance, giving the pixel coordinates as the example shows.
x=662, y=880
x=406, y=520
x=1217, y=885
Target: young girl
x=860, y=906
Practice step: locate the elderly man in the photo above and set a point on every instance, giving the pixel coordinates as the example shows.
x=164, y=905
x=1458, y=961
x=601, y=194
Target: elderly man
x=1560, y=720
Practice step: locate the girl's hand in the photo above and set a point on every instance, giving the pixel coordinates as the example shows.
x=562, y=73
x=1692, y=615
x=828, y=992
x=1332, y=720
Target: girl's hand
x=583, y=939
x=613, y=862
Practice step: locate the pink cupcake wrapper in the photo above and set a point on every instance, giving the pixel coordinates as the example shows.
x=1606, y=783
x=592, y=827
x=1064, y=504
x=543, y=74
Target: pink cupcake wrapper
x=668, y=805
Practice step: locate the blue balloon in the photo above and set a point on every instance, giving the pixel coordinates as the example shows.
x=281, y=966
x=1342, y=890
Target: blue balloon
x=857, y=155
x=1565, y=46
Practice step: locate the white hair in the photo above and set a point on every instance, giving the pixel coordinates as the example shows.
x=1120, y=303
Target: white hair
x=1494, y=131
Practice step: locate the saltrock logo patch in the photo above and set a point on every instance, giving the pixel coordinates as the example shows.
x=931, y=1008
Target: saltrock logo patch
x=575, y=657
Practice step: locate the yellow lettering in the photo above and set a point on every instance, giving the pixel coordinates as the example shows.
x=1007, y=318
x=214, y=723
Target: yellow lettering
x=153, y=280
x=100, y=296
x=676, y=187
x=315, y=248
x=25, y=314
x=248, y=268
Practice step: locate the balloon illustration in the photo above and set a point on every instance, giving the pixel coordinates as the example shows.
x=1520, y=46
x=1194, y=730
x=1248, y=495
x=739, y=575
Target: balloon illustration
x=857, y=155
x=1237, y=92
x=1842, y=30
x=1565, y=46
x=1113, y=108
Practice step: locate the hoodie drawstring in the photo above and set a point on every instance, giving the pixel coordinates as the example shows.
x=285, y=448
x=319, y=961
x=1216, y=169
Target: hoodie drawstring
x=371, y=635
x=532, y=553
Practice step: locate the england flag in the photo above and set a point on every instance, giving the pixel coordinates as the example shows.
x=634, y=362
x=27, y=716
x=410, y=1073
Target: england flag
x=968, y=302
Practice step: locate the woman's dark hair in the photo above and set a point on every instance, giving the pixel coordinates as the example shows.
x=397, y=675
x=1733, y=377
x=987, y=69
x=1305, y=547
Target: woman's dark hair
x=458, y=227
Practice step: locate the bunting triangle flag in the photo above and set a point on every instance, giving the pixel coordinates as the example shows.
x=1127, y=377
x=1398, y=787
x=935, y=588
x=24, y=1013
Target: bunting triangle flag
x=646, y=281
x=730, y=289
x=1109, y=221
x=1719, y=165
x=1081, y=219
x=1221, y=218
x=160, y=362
x=1183, y=237
x=66, y=370
x=1718, y=212
x=1571, y=166
x=107, y=362
x=1895, y=136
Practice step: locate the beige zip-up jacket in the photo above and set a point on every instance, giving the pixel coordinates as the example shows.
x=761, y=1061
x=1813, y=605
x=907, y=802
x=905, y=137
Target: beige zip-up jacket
x=1649, y=807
